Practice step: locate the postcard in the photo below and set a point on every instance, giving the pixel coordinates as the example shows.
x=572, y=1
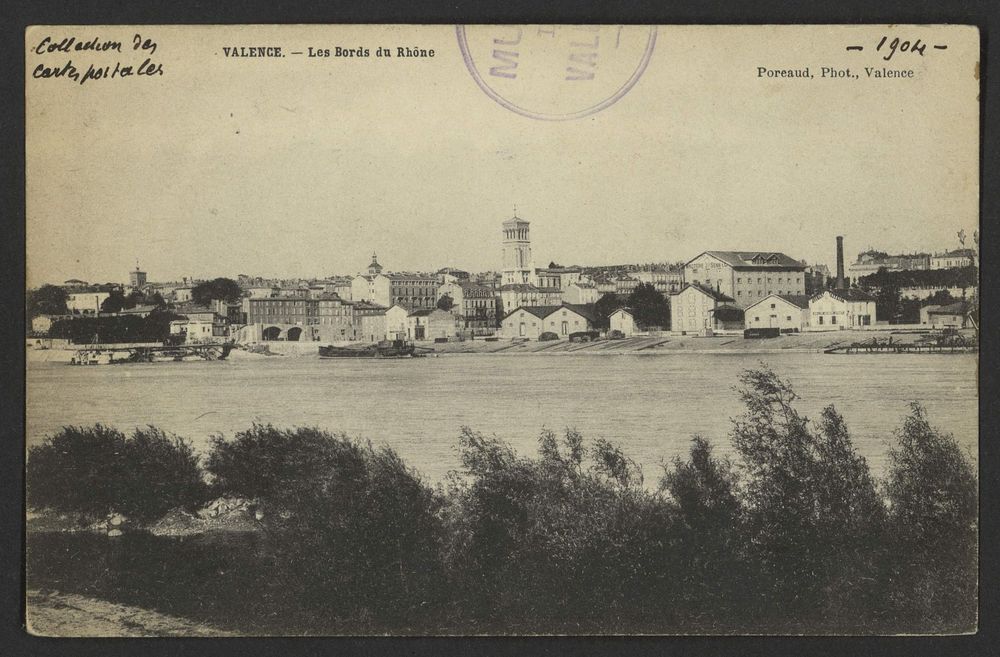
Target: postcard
x=502, y=330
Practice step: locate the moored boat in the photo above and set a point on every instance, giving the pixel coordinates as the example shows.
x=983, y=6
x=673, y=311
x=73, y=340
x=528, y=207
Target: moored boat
x=383, y=349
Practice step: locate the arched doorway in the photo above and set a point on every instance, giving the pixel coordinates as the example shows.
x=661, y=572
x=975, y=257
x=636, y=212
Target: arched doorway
x=271, y=333
x=293, y=334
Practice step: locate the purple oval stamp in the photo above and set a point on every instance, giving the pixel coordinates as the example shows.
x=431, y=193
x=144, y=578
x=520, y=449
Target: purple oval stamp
x=556, y=72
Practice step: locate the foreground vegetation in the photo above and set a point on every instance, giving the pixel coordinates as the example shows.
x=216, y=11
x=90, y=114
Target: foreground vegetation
x=794, y=536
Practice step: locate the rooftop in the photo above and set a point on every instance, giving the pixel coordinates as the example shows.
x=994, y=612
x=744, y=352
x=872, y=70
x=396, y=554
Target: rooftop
x=753, y=259
x=715, y=294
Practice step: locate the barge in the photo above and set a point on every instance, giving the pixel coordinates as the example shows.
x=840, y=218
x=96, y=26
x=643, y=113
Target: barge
x=383, y=349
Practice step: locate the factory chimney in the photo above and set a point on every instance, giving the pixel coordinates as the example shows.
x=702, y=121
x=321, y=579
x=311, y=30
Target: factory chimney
x=840, y=262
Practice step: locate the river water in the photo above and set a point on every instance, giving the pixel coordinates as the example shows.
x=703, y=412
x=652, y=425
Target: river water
x=650, y=404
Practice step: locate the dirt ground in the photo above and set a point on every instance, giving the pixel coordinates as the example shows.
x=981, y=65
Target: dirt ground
x=69, y=615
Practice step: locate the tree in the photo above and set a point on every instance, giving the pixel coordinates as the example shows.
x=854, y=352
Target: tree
x=93, y=471
x=887, y=303
x=47, y=300
x=649, y=307
x=604, y=307
x=222, y=289
x=940, y=298
x=446, y=303
x=114, y=303
x=814, y=515
x=135, y=298
x=932, y=491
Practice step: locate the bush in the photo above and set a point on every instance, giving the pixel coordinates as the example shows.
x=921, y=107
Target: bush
x=94, y=471
x=569, y=542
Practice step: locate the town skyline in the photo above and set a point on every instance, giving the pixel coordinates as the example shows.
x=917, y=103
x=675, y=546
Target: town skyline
x=359, y=262
x=279, y=167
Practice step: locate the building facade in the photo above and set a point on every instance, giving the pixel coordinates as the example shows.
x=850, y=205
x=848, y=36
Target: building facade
x=951, y=259
x=746, y=276
x=563, y=320
x=666, y=281
x=789, y=313
x=623, y=322
x=136, y=279
x=523, y=294
x=474, y=305
x=839, y=309
x=694, y=309
x=580, y=293
x=85, y=303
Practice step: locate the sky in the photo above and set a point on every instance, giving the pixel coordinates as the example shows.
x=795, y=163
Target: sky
x=302, y=167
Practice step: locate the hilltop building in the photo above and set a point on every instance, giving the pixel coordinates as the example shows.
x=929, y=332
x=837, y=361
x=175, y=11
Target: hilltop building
x=136, y=278
x=950, y=259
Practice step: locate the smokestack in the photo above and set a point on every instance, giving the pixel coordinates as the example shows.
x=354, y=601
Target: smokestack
x=840, y=262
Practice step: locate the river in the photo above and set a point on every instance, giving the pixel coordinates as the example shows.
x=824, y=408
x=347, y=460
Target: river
x=650, y=404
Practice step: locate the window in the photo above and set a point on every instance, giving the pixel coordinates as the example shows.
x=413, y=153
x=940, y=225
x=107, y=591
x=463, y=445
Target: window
x=788, y=318
x=833, y=320
x=772, y=306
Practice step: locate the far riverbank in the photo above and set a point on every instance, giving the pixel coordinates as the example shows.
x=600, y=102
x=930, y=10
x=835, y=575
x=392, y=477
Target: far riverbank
x=808, y=342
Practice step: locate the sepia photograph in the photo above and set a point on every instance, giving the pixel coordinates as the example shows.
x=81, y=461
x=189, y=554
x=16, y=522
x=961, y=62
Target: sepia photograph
x=501, y=330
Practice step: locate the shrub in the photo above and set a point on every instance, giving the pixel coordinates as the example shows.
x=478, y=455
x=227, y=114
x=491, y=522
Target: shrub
x=93, y=471
x=160, y=472
x=76, y=471
x=555, y=544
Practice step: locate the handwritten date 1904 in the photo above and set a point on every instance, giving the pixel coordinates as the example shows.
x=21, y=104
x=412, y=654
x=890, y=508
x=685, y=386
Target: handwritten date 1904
x=890, y=48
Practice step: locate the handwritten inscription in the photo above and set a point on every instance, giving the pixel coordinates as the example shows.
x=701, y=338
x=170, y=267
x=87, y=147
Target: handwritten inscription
x=888, y=48
x=140, y=47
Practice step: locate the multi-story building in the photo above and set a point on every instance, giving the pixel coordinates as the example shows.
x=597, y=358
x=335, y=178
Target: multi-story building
x=698, y=308
x=412, y=291
x=746, y=276
x=870, y=261
x=950, y=259
x=666, y=281
x=324, y=317
x=85, y=303
x=580, y=292
x=474, y=305
x=625, y=284
x=523, y=294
